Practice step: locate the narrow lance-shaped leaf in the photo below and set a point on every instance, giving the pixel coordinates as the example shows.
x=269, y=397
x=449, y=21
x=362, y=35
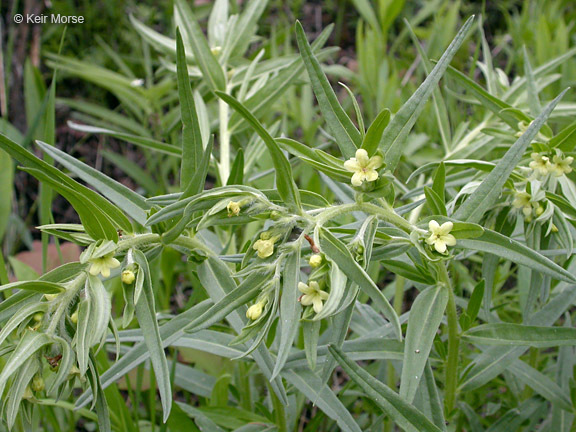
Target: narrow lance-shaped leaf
x=289, y=308
x=518, y=334
x=337, y=252
x=284, y=180
x=129, y=201
x=502, y=246
x=192, y=150
x=425, y=318
x=146, y=314
x=398, y=129
x=407, y=417
x=207, y=62
x=484, y=197
x=29, y=160
x=345, y=133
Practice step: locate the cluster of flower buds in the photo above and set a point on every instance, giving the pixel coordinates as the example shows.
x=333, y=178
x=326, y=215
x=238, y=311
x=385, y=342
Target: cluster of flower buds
x=557, y=166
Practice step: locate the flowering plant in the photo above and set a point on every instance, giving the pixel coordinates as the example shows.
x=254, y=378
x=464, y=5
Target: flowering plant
x=288, y=282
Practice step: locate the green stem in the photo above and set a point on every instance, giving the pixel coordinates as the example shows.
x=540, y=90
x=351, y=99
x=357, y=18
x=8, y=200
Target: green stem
x=387, y=214
x=224, y=141
x=138, y=240
x=453, y=343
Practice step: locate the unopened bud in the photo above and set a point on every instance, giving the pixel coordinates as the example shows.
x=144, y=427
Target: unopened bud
x=315, y=260
x=37, y=383
x=254, y=312
x=50, y=297
x=74, y=317
x=128, y=277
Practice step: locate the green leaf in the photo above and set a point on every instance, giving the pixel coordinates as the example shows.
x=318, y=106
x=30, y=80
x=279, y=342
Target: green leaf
x=192, y=149
x=148, y=143
x=29, y=160
x=146, y=314
x=284, y=179
x=289, y=308
x=345, y=133
x=399, y=411
x=133, y=204
x=397, y=130
x=35, y=286
x=6, y=185
x=497, y=106
x=435, y=202
x=207, y=62
x=95, y=221
x=337, y=252
x=502, y=246
x=541, y=384
x=425, y=318
x=323, y=397
x=27, y=346
x=484, y=197
x=518, y=334
x=375, y=131
x=246, y=26
x=565, y=140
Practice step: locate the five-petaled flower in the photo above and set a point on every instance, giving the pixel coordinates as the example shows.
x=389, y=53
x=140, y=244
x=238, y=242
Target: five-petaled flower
x=523, y=200
x=540, y=164
x=440, y=236
x=103, y=265
x=363, y=167
x=265, y=248
x=560, y=165
x=312, y=295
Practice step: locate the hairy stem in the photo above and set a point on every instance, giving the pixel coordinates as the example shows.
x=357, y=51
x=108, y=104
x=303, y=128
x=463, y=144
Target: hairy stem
x=453, y=343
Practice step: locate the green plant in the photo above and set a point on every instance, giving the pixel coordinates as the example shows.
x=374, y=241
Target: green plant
x=293, y=286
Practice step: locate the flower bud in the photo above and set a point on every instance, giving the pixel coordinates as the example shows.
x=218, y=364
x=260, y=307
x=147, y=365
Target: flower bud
x=275, y=215
x=74, y=317
x=37, y=383
x=554, y=228
x=38, y=316
x=233, y=208
x=315, y=260
x=128, y=277
x=255, y=311
x=50, y=297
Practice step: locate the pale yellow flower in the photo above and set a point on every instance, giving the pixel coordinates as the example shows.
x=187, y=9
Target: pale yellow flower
x=255, y=311
x=313, y=295
x=315, y=260
x=440, y=236
x=233, y=208
x=522, y=200
x=363, y=167
x=560, y=165
x=103, y=265
x=540, y=164
x=265, y=248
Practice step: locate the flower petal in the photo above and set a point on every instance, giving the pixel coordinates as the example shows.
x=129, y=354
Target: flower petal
x=433, y=226
x=362, y=157
x=306, y=300
x=303, y=288
x=440, y=246
x=375, y=162
x=317, y=304
x=371, y=175
x=358, y=178
x=352, y=165
x=449, y=239
x=445, y=228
